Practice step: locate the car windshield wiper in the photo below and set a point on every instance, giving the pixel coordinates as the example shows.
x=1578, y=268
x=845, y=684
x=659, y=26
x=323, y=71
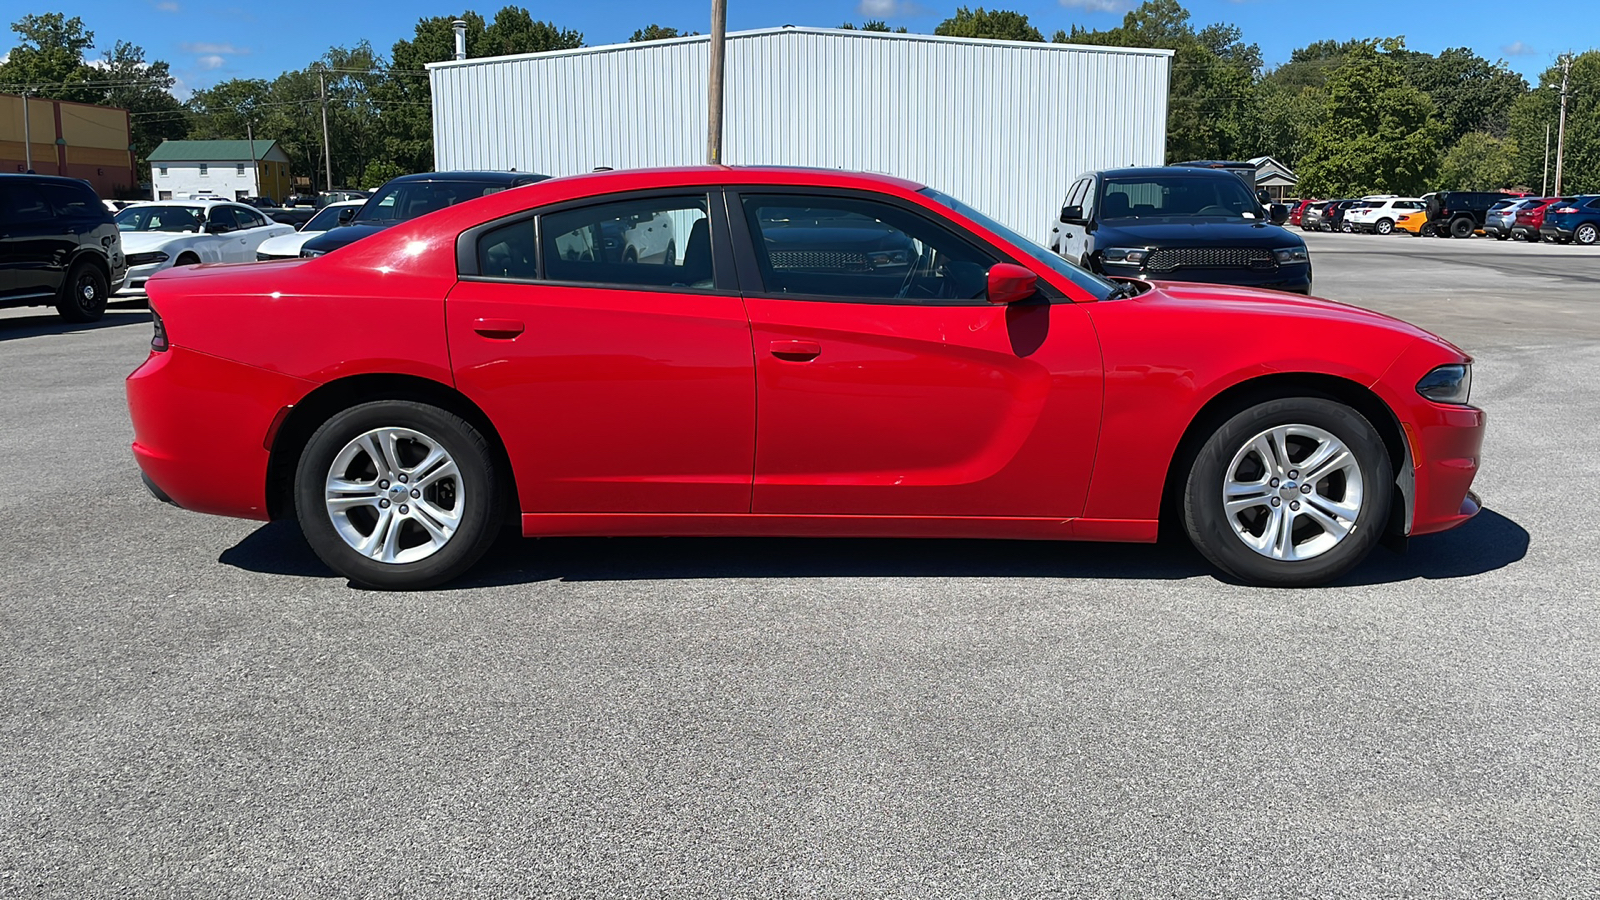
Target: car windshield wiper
x=1125, y=289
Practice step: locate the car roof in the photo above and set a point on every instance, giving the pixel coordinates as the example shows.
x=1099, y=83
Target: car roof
x=735, y=175
x=25, y=176
x=1179, y=171
x=482, y=177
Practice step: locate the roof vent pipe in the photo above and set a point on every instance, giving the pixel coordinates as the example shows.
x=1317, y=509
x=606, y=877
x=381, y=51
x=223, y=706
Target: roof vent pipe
x=460, y=26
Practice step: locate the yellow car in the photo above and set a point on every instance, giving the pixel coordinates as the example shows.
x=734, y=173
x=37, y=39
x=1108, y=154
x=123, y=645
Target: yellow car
x=1415, y=223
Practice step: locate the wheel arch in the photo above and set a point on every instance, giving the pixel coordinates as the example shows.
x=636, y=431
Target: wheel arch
x=98, y=260
x=303, y=419
x=1276, y=386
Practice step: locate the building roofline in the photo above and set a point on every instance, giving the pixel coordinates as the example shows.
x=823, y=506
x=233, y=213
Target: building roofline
x=791, y=29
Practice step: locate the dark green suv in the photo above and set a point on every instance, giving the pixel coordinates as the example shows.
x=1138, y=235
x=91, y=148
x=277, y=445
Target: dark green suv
x=58, y=246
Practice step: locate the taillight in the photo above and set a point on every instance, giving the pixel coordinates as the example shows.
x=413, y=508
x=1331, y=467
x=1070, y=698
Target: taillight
x=1565, y=209
x=158, y=341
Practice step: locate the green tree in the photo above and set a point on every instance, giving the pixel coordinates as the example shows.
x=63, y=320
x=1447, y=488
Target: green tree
x=1469, y=92
x=654, y=32
x=999, y=25
x=1377, y=132
x=1212, y=106
x=1538, y=108
x=877, y=25
x=1479, y=162
x=48, y=59
x=376, y=174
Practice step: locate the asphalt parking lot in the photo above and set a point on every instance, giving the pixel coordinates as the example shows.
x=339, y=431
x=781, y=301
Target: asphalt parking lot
x=194, y=706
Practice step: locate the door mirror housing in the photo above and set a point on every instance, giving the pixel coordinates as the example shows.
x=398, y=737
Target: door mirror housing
x=346, y=214
x=1072, y=215
x=1279, y=214
x=1010, y=283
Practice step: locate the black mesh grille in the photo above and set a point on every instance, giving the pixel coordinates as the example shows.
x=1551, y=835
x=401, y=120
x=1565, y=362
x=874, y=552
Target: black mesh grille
x=819, y=260
x=1209, y=258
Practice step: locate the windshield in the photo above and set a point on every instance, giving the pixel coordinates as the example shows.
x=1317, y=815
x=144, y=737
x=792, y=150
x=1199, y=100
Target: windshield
x=161, y=218
x=325, y=219
x=1098, y=287
x=410, y=199
x=1176, y=195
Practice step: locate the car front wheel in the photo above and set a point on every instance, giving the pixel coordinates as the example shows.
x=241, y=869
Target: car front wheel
x=83, y=294
x=1289, y=493
x=398, y=495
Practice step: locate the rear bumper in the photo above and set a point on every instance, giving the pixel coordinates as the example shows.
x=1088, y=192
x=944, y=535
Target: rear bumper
x=200, y=425
x=1553, y=232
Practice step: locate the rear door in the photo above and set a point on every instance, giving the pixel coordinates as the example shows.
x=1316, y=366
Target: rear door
x=619, y=385
x=35, y=243
x=888, y=385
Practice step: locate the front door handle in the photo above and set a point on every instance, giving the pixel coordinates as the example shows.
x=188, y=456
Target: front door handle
x=796, y=351
x=499, y=329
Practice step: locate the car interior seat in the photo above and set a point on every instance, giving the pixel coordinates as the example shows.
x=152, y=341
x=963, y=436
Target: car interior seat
x=1114, y=206
x=696, y=265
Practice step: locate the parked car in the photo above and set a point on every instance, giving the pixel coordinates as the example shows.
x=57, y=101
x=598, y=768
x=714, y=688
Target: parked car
x=1180, y=224
x=58, y=246
x=1377, y=216
x=409, y=196
x=1298, y=209
x=1311, y=219
x=1497, y=221
x=293, y=216
x=1577, y=220
x=342, y=195
x=168, y=233
x=1530, y=218
x=287, y=246
x=1333, y=215
x=981, y=386
x=1461, y=213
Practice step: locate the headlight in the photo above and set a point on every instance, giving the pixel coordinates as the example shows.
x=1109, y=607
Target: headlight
x=145, y=259
x=310, y=254
x=886, y=259
x=1291, y=256
x=1124, y=256
x=1447, y=384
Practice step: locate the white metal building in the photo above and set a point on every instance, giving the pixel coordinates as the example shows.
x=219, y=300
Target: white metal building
x=1003, y=125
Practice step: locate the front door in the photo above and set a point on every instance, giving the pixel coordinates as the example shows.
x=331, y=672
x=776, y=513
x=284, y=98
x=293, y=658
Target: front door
x=620, y=384
x=34, y=243
x=888, y=385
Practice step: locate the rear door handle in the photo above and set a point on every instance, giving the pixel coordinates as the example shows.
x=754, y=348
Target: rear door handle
x=500, y=329
x=796, y=351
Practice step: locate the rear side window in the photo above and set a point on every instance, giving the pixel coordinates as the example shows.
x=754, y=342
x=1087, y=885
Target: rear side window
x=73, y=200
x=662, y=242
x=22, y=204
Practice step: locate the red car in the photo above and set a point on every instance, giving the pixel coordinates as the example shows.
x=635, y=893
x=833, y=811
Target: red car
x=1531, y=219
x=728, y=351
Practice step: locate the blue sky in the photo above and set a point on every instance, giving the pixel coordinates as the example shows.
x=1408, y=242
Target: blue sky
x=210, y=40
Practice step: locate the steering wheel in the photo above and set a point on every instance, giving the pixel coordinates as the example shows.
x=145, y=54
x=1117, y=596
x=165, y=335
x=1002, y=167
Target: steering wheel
x=911, y=277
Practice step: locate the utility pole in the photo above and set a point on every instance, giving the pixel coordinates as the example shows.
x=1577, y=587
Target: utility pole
x=719, y=40
x=27, y=132
x=1544, y=185
x=255, y=172
x=327, y=152
x=1561, y=131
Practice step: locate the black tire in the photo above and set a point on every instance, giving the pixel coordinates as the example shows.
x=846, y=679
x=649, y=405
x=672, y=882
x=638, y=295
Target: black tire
x=1213, y=533
x=1384, y=226
x=1501, y=236
x=1428, y=229
x=479, y=486
x=84, y=294
x=1586, y=234
x=1531, y=237
x=1461, y=228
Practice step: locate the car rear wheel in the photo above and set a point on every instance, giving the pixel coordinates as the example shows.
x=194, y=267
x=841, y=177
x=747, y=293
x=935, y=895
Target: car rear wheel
x=83, y=295
x=398, y=495
x=1461, y=228
x=1384, y=226
x=1585, y=234
x=1289, y=493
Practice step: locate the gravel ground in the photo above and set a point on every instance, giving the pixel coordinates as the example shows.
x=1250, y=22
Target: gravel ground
x=195, y=707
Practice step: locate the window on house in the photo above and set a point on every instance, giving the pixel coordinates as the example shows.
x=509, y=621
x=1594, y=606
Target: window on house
x=163, y=170
x=204, y=170
x=240, y=169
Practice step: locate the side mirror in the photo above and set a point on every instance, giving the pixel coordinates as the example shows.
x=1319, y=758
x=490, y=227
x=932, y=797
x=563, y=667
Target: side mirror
x=1010, y=283
x=1072, y=215
x=346, y=214
x=1279, y=214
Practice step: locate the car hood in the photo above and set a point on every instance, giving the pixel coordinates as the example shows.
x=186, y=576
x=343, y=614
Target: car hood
x=146, y=241
x=344, y=235
x=1256, y=302
x=287, y=244
x=1193, y=232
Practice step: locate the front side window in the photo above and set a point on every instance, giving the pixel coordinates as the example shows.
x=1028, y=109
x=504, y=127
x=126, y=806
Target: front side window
x=860, y=249
x=1094, y=285
x=73, y=201
x=223, y=219
x=159, y=218
x=662, y=242
x=325, y=219
x=1176, y=196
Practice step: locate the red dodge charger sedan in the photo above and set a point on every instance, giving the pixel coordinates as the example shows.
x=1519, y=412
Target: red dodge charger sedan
x=764, y=351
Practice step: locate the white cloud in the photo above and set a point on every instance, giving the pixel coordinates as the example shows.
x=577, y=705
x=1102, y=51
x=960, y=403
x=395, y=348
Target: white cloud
x=1518, y=48
x=213, y=49
x=890, y=9
x=211, y=62
x=167, y=6
x=1097, y=5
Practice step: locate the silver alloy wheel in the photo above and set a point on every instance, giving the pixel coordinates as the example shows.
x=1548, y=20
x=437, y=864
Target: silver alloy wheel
x=1292, y=492
x=395, y=495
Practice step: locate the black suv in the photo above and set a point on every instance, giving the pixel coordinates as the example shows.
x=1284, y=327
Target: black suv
x=410, y=196
x=58, y=246
x=1179, y=224
x=1460, y=213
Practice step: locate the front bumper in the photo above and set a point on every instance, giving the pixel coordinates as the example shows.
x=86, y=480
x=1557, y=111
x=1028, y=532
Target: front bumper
x=138, y=275
x=200, y=425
